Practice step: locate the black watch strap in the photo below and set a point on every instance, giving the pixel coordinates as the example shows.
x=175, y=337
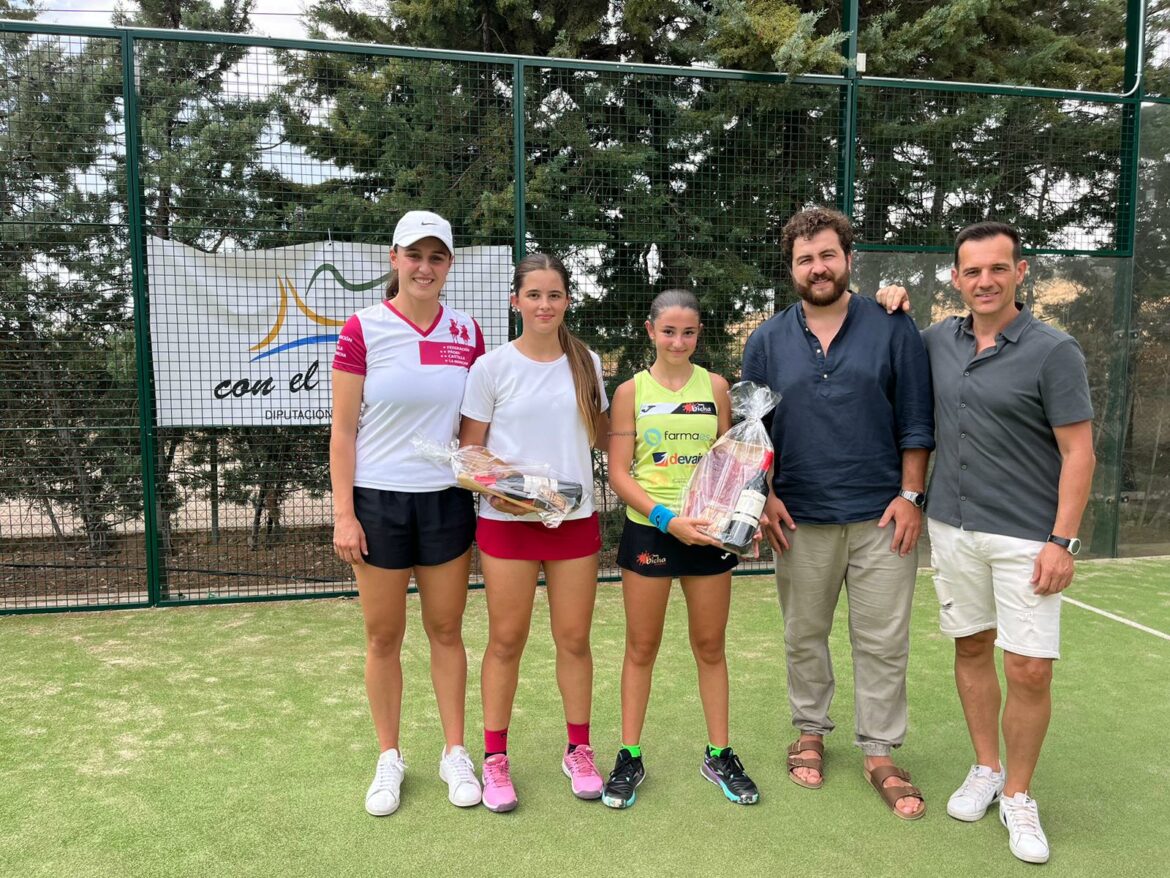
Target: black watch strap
x=1072, y=544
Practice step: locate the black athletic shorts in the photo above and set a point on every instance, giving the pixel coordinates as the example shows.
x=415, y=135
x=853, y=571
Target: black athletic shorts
x=647, y=551
x=405, y=529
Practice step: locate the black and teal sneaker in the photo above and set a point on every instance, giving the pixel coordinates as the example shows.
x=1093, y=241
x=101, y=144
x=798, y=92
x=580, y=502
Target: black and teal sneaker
x=623, y=780
x=726, y=772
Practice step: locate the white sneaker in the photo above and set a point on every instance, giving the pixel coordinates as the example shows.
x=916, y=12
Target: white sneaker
x=384, y=793
x=981, y=788
x=457, y=771
x=1025, y=837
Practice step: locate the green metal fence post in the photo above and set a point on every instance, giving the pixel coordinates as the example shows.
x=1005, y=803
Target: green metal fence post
x=520, y=166
x=847, y=152
x=1114, y=423
x=130, y=121
x=519, y=174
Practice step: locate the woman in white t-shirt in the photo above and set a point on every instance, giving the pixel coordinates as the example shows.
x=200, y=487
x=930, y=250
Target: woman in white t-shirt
x=539, y=397
x=400, y=369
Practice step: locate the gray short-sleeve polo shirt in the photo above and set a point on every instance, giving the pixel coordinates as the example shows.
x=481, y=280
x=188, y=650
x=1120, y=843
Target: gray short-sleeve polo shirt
x=997, y=464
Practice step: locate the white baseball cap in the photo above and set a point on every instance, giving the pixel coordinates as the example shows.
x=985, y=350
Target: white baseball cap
x=418, y=224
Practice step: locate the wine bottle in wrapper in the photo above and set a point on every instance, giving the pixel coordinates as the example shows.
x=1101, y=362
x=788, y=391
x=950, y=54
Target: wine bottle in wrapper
x=745, y=517
x=554, y=495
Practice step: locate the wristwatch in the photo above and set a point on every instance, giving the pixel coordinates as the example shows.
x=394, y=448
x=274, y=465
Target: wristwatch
x=918, y=498
x=1073, y=545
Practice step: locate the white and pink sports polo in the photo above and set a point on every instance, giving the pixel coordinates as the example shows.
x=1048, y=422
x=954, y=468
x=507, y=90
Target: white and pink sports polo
x=414, y=385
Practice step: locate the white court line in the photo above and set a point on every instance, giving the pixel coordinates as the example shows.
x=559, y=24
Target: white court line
x=1120, y=619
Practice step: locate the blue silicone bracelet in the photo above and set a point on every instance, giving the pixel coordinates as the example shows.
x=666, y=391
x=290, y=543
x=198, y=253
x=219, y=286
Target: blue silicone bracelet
x=660, y=517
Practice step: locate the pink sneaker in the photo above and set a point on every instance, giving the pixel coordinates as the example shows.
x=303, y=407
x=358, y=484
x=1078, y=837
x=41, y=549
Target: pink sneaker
x=579, y=767
x=498, y=793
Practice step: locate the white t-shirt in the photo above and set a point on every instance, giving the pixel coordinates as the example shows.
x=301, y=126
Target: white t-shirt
x=532, y=410
x=414, y=384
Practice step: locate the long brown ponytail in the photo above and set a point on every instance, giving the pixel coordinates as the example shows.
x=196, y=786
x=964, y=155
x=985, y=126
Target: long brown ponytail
x=580, y=359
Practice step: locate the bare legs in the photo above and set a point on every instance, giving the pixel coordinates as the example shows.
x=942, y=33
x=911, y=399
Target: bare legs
x=383, y=598
x=708, y=602
x=978, y=687
x=1025, y=716
x=443, y=590
x=511, y=590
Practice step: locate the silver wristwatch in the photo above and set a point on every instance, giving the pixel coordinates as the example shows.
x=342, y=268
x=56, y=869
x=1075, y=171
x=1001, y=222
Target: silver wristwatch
x=918, y=498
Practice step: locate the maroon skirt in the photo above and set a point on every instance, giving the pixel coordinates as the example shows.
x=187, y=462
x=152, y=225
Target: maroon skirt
x=532, y=541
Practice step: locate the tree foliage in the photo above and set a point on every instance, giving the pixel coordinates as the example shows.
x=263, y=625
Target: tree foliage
x=67, y=443
x=206, y=182
x=642, y=182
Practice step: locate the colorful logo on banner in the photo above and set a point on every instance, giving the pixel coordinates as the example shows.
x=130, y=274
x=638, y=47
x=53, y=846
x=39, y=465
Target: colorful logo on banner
x=287, y=288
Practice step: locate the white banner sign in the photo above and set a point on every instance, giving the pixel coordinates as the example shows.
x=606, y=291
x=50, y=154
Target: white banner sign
x=247, y=337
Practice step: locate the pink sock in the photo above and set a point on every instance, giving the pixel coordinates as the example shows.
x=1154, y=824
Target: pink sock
x=578, y=734
x=495, y=742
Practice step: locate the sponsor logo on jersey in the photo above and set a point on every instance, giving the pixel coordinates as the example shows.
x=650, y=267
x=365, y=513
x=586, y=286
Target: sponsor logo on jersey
x=444, y=353
x=459, y=351
x=655, y=437
x=458, y=331
x=676, y=408
x=649, y=559
x=666, y=458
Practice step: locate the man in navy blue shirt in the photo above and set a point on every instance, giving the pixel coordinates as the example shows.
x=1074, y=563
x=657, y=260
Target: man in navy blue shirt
x=853, y=433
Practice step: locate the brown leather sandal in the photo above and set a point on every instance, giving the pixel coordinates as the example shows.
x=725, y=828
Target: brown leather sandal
x=816, y=763
x=890, y=795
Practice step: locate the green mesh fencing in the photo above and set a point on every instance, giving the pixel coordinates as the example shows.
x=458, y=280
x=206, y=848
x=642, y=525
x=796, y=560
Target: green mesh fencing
x=297, y=148
x=71, y=524
x=932, y=162
x=173, y=201
x=644, y=183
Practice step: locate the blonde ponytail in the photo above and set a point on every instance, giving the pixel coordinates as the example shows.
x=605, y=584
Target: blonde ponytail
x=584, y=380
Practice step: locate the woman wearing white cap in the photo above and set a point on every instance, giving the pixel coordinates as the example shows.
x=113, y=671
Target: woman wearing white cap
x=399, y=370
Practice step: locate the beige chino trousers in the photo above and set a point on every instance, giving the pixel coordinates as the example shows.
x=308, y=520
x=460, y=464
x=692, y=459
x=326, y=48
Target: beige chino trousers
x=880, y=588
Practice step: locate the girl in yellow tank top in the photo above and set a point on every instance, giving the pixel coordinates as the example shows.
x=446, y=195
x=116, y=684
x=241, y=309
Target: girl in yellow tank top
x=663, y=420
x=674, y=428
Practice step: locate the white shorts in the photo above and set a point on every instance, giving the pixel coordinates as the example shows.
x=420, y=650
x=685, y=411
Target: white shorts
x=983, y=583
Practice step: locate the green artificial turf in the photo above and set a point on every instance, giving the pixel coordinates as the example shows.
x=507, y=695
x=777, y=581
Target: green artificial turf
x=1137, y=590
x=235, y=741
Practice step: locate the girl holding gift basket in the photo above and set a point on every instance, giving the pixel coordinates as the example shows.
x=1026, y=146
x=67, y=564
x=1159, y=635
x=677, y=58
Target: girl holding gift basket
x=664, y=420
x=397, y=372
x=545, y=384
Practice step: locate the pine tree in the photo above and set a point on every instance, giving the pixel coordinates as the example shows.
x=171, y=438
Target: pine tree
x=67, y=444
x=207, y=184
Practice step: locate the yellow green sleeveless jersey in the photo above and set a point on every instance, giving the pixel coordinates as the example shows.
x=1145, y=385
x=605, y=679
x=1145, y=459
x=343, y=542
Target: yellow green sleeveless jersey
x=674, y=429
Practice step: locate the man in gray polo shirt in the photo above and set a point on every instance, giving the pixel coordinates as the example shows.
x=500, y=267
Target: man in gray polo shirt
x=1013, y=466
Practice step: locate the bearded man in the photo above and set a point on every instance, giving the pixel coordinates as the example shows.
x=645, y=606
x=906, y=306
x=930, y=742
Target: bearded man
x=852, y=433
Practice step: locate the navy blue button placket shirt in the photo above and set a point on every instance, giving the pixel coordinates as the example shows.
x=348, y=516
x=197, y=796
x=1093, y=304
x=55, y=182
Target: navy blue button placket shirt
x=846, y=414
